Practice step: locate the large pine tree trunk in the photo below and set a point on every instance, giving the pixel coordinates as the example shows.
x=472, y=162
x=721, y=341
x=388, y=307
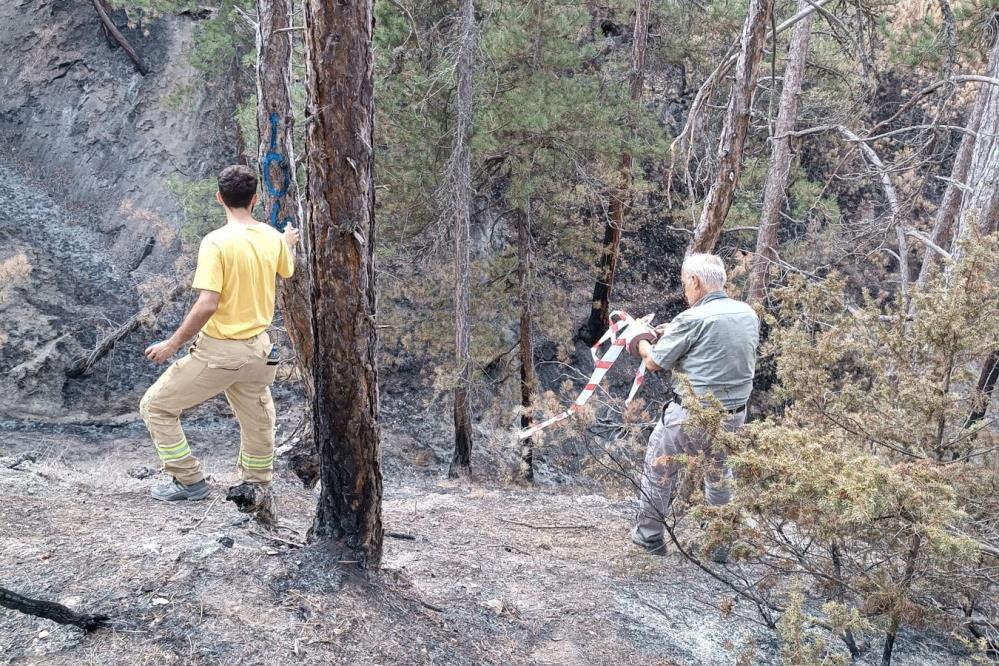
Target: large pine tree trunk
x=341, y=199
x=980, y=205
x=733, y=136
x=461, y=462
x=780, y=160
x=527, y=377
x=607, y=265
x=279, y=193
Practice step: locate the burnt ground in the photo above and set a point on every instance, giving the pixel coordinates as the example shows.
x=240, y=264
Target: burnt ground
x=473, y=587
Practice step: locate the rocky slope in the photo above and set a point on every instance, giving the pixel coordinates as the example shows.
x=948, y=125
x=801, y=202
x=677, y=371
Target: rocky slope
x=87, y=146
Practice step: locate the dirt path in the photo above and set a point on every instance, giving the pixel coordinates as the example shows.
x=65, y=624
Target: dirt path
x=472, y=588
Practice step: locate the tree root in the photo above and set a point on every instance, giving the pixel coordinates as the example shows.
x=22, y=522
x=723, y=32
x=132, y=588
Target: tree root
x=256, y=499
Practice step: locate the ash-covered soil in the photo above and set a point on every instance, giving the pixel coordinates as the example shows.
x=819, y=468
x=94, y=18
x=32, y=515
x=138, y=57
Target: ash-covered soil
x=496, y=573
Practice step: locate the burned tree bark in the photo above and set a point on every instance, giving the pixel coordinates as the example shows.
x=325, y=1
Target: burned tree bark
x=607, y=265
x=527, y=376
x=780, y=160
x=985, y=388
x=735, y=128
x=461, y=177
x=279, y=193
x=51, y=611
x=341, y=200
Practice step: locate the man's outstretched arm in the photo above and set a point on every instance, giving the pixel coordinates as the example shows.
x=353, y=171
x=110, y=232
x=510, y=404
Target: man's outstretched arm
x=201, y=312
x=645, y=351
x=674, y=341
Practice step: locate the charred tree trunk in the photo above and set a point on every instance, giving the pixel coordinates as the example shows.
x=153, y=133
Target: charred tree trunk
x=780, y=160
x=735, y=128
x=527, y=377
x=986, y=387
x=51, y=611
x=111, y=29
x=607, y=266
x=279, y=194
x=840, y=596
x=980, y=204
x=341, y=200
x=461, y=462
x=895, y=619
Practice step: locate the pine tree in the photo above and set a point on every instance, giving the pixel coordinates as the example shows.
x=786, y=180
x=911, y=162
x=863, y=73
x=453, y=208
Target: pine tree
x=341, y=198
x=461, y=183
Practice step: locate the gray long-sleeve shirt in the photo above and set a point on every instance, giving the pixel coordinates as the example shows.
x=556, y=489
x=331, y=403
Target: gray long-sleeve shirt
x=714, y=343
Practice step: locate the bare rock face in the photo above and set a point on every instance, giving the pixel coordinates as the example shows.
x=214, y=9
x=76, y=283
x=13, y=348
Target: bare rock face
x=88, y=223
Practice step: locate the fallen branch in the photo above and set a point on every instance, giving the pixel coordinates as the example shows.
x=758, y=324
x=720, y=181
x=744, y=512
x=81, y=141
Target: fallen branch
x=120, y=38
x=400, y=535
x=198, y=524
x=507, y=547
x=29, y=456
x=548, y=527
x=51, y=611
x=83, y=365
x=276, y=539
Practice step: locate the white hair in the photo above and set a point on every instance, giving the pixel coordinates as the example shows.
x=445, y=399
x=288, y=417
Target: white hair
x=709, y=268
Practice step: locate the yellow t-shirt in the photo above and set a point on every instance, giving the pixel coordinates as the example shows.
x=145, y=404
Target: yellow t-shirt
x=240, y=262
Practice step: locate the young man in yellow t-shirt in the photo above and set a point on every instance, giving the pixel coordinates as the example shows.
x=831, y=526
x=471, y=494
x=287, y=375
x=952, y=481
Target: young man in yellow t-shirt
x=236, y=275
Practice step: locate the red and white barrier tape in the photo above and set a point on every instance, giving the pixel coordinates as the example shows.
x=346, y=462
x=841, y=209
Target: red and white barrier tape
x=619, y=321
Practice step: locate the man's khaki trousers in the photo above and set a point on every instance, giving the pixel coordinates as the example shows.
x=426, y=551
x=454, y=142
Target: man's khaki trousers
x=237, y=368
x=671, y=438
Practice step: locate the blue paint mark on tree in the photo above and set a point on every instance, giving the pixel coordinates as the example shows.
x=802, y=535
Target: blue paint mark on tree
x=275, y=159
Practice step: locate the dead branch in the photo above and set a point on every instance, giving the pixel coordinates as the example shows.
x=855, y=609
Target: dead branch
x=891, y=195
x=413, y=30
x=120, y=38
x=83, y=365
x=547, y=527
x=29, y=456
x=928, y=242
x=198, y=524
x=275, y=539
x=400, y=535
x=686, y=135
x=51, y=611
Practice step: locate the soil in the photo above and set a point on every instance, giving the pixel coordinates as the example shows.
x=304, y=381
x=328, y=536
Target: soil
x=494, y=574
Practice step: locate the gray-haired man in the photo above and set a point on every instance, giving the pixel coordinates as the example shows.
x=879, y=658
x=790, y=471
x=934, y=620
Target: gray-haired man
x=714, y=344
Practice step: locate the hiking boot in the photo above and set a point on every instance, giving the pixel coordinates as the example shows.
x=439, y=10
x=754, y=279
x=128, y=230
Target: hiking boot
x=175, y=491
x=655, y=547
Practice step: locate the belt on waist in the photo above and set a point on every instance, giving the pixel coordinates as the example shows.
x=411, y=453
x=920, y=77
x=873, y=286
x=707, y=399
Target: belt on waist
x=679, y=403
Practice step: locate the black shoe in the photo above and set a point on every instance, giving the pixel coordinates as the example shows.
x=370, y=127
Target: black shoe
x=655, y=547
